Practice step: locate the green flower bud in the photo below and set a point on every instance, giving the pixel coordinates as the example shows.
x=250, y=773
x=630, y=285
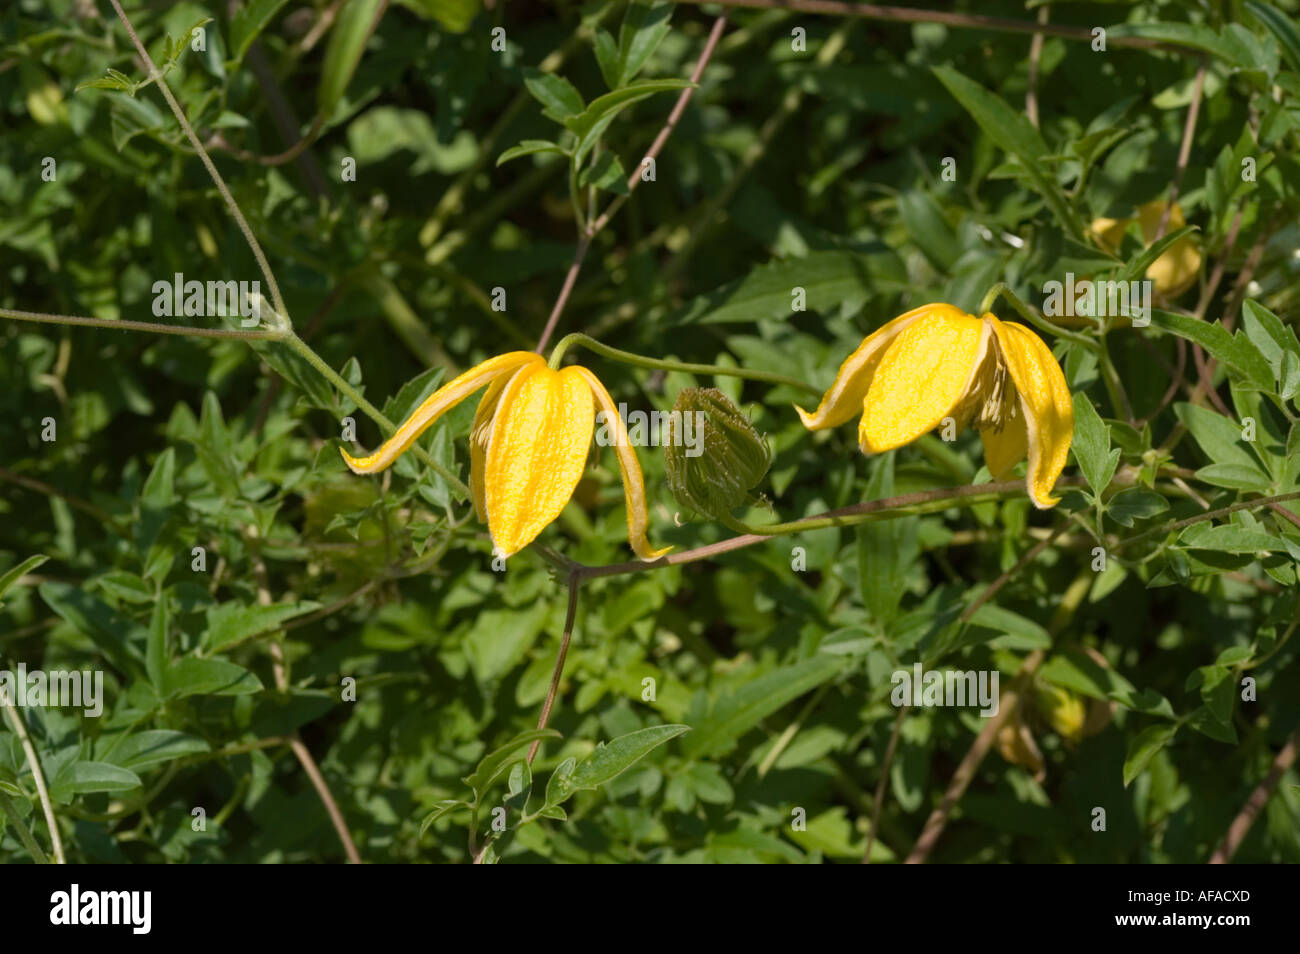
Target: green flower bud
x=713, y=455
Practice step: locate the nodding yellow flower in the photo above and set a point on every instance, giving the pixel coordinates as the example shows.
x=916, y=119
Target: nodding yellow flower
x=938, y=362
x=528, y=446
x=1176, y=269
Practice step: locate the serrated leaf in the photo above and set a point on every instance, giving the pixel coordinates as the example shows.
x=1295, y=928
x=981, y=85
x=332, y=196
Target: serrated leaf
x=559, y=98
x=1091, y=445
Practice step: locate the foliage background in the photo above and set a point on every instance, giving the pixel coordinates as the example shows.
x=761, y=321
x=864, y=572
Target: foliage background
x=788, y=168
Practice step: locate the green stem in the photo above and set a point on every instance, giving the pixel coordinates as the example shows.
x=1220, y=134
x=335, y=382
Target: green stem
x=904, y=506
x=261, y=334
x=657, y=364
x=24, y=833
x=1001, y=290
x=315, y=360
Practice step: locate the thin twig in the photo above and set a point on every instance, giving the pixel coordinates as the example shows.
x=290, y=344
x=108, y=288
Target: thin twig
x=592, y=228
x=575, y=582
x=1240, y=826
x=38, y=777
x=220, y=183
x=1035, y=54
x=281, y=672
x=974, y=21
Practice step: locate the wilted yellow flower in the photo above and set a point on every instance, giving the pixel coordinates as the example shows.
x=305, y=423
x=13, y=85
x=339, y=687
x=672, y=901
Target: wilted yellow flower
x=1176, y=269
x=938, y=362
x=528, y=446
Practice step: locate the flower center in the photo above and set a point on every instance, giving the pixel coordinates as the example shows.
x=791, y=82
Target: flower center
x=991, y=401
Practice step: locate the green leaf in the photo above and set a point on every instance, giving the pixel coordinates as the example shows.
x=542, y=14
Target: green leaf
x=249, y=20
x=1139, y=265
x=1235, y=477
x=1014, y=631
x=347, y=44
x=1280, y=25
x=1142, y=748
x=612, y=759
x=101, y=623
x=1130, y=506
x=644, y=27
x=453, y=15
x=231, y=623
x=1011, y=131
x=1229, y=538
x=738, y=712
x=605, y=173
x=831, y=280
x=157, y=657
x=10, y=577
x=442, y=808
x=495, y=762
x=604, y=108
x=929, y=228
x=1267, y=333
x=1236, y=352
x=1092, y=445
x=559, y=99
x=887, y=551
x=150, y=747
x=1218, y=436
x=195, y=676
x=530, y=147
x=81, y=778
x=607, y=57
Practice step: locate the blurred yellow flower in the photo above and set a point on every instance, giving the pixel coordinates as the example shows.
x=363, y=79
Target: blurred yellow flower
x=1176, y=269
x=528, y=446
x=937, y=362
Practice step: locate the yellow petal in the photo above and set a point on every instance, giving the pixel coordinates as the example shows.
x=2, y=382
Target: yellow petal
x=478, y=441
x=1176, y=270
x=638, y=519
x=1005, y=448
x=1045, y=406
x=1109, y=233
x=844, y=399
x=921, y=377
x=536, y=452
x=433, y=407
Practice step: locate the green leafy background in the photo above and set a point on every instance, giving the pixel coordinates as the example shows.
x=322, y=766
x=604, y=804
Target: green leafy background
x=820, y=168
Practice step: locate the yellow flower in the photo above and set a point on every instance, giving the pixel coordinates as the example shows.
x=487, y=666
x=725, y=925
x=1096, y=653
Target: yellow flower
x=1176, y=269
x=938, y=362
x=528, y=446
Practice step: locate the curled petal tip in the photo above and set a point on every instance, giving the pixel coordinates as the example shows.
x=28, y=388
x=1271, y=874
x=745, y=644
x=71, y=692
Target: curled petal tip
x=649, y=555
x=809, y=420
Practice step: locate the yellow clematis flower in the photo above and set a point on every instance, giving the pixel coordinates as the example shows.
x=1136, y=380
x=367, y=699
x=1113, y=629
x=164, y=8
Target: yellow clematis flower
x=938, y=362
x=528, y=446
x=1174, y=271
